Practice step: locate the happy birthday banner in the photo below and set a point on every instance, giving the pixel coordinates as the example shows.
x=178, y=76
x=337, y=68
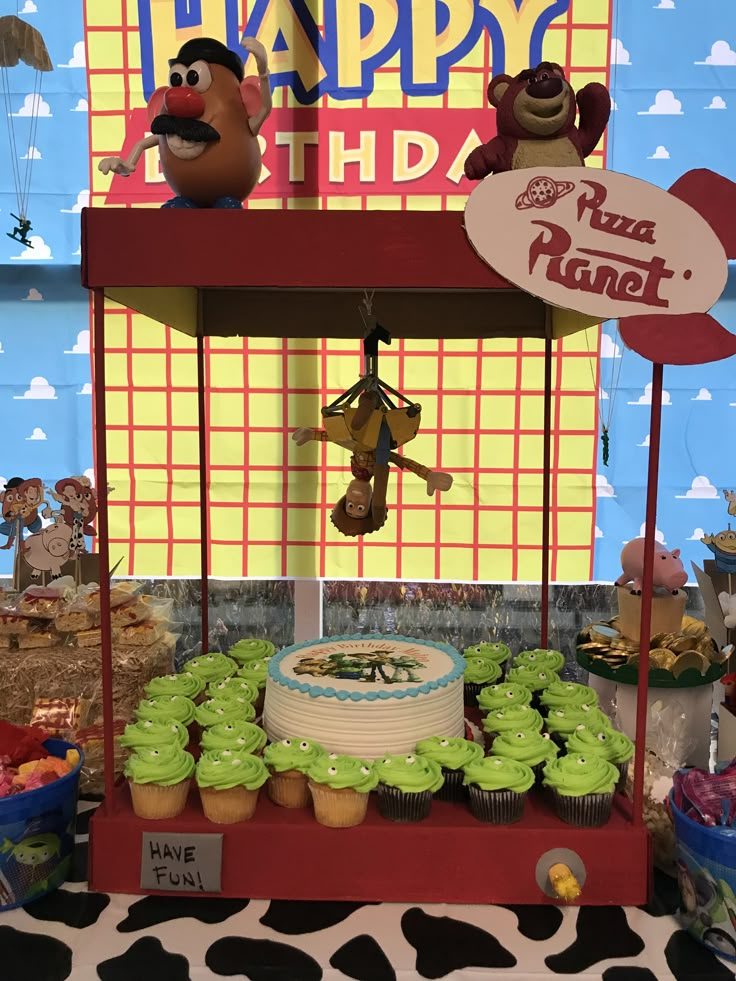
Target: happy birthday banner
x=376, y=105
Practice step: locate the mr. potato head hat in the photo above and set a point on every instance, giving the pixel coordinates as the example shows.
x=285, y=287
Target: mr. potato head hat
x=209, y=50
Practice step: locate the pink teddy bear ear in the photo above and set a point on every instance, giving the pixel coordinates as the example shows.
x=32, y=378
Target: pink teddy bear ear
x=250, y=92
x=155, y=103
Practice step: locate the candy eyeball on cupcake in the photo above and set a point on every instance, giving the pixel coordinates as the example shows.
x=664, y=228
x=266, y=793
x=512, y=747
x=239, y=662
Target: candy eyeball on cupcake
x=581, y=761
x=332, y=770
x=147, y=723
x=602, y=737
x=545, y=735
x=332, y=756
x=386, y=761
x=304, y=746
x=226, y=752
x=365, y=771
x=497, y=760
x=444, y=742
x=286, y=742
x=520, y=735
x=235, y=762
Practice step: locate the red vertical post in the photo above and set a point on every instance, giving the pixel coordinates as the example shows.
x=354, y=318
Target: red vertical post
x=546, y=484
x=103, y=545
x=203, y=490
x=645, y=631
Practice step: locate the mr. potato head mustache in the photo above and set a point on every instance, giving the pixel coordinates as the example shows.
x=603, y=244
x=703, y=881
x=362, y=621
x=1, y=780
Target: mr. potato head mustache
x=191, y=130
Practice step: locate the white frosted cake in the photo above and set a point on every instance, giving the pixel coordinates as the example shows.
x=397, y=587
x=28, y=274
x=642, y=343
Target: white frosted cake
x=365, y=695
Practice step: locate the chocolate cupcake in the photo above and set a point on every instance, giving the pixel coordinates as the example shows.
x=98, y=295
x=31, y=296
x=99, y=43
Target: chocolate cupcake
x=497, y=789
x=452, y=755
x=479, y=672
x=582, y=788
x=406, y=786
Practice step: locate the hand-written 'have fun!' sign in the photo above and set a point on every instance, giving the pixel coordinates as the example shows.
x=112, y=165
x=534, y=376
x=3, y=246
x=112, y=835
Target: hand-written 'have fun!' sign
x=596, y=242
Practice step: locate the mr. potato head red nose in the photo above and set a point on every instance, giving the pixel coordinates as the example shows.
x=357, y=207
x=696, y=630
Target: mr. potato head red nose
x=205, y=122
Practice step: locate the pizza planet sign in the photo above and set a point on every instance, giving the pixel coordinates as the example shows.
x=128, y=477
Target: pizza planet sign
x=596, y=242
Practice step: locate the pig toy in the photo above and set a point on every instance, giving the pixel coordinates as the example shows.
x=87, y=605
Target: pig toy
x=669, y=572
x=48, y=551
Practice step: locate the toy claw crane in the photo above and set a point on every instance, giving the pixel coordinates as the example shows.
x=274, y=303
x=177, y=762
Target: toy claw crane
x=373, y=430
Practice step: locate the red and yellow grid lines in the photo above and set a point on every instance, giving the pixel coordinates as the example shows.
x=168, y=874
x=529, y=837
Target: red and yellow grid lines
x=270, y=500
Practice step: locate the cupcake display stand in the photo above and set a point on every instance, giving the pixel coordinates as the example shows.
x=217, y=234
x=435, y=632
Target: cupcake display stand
x=303, y=274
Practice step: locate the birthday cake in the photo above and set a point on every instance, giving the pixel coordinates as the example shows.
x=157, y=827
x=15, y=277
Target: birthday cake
x=365, y=695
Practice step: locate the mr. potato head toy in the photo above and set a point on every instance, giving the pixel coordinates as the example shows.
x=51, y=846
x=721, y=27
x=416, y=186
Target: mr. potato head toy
x=535, y=122
x=205, y=123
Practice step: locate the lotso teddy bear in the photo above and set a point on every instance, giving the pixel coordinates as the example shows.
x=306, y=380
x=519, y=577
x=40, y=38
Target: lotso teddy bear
x=535, y=122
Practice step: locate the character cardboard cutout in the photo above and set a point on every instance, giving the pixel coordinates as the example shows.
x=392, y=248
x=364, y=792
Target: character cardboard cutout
x=21, y=501
x=535, y=122
x=372, y=431
x=205, y=123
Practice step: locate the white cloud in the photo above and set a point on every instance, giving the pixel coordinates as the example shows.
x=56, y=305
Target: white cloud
x=665, y=5
x=38, y=389
x=697, y=535
x=81, y=106
x=34, y=105
x=646, y=398
x=78, y=251
x=33, y=295
x=645, y=441
x=37, y=433
x=78, y=59
x=661, y=153
x=86, y=389
x=1, y=348
x=602, y=394
x=609, y=348
x=602, y=487
x=720, y=54
x=29, y=8
x=702, y=396
x=82, y=344
x=717, y=102
x=619, y=54
x=81, y=202
x=37, y=250
x=665, y=104
x=614, y=105
x=658, y=535
x=598, y=532
x=700, y=488
x=32, y=153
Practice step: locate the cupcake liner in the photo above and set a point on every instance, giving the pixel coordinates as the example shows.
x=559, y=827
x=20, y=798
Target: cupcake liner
x=472, y=690
x=338, y=808
x=153, y=802
x=623, y=769
x=538, y=771
x=259, y=702
x=228, y=806
x=453, y=789
x=588, y=811
x=496, y=806
x=488, y=738
x=289, y=789
x=396, y=805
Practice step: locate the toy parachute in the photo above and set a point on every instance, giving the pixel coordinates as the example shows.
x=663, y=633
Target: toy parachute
x=19, y=41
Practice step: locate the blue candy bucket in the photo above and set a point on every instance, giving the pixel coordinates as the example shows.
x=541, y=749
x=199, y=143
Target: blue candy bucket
x=37, y=835
x=706, y=875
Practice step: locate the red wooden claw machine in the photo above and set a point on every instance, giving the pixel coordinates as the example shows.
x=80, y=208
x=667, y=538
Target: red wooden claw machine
x=427, y=283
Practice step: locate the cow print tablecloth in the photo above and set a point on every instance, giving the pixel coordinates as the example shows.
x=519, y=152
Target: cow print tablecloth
x=87, y=936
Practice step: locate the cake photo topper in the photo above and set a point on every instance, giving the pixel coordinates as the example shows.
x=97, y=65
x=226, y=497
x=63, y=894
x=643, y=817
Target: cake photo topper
x=372, y=431
x=368, y=666
x=206, y=122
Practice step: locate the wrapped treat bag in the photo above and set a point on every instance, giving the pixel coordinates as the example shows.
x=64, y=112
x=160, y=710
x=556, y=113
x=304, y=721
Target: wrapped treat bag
x=45, y=602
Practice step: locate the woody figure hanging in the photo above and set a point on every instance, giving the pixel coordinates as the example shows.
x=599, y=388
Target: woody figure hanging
x=372, y=431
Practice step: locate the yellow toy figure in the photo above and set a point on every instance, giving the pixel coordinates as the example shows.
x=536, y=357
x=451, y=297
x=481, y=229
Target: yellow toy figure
x=372, y=432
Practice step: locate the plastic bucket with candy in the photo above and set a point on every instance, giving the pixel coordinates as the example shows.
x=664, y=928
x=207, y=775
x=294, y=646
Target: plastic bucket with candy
x=37, y=834
x=706, y=874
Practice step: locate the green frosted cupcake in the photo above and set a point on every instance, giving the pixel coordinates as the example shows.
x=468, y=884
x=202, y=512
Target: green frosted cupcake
x=561, y=723
x=245, y=737
x=159, y=780
x=616, y=747
x=186, y=684
x=495, y=698
x=545, y=660
x=251, y=649
x=527, y=747
x=340, y=786
x=515, y=718
x=406, y=785
x=583, y=787
x=229, y=782
x=452, y=754
x=499, y=653
x=230, y=709
x=289, y=761
x=146, y=734
x=497, y=788
x=531, y=677
x=479, y=672
x=255, y=672
x=568, y=694
x=211, y=667
x=166, y=708
x=233, y=688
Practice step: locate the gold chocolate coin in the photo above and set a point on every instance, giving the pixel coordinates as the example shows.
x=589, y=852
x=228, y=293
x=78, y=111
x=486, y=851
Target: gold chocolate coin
x=661, y=658
x=688, y=660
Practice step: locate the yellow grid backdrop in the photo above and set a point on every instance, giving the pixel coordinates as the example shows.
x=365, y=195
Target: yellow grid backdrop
x=270, y=500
